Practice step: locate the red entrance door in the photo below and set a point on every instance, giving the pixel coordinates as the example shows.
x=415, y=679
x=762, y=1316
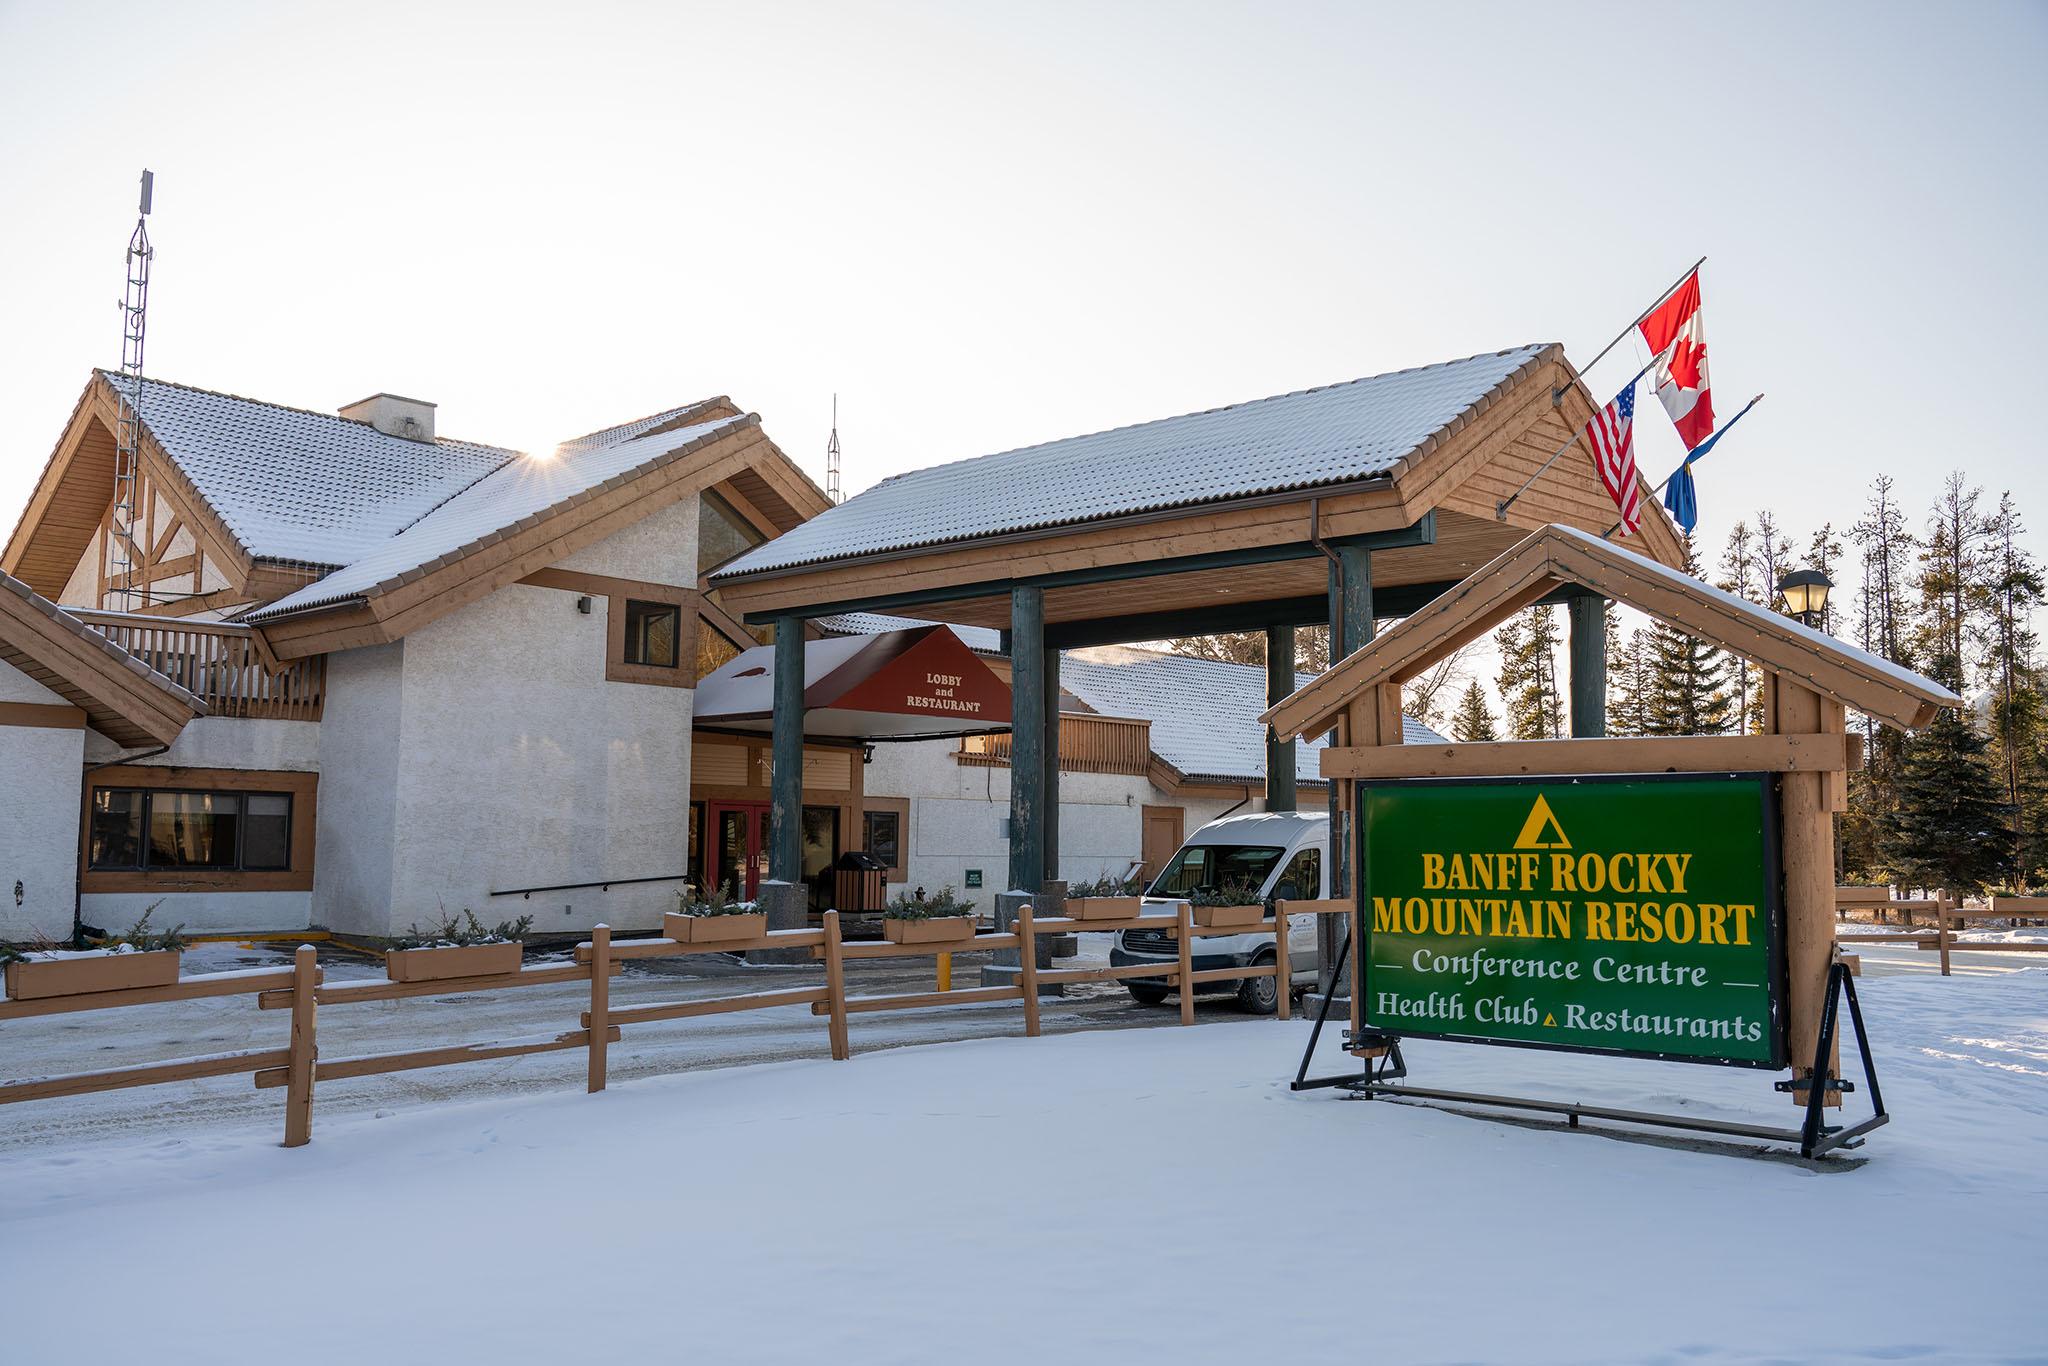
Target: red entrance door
x=736, y=858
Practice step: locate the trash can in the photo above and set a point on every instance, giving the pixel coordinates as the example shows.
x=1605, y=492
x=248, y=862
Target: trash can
x=859, y=882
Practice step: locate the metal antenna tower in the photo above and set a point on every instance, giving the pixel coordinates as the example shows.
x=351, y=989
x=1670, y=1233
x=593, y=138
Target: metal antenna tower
x=832, y=489
x=128, y=426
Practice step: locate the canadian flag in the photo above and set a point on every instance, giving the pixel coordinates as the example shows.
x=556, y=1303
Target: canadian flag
x=1682, y=370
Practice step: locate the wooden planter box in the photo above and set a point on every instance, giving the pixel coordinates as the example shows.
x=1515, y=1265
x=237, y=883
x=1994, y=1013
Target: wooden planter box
x=471, y=960
x=95, y=972
x=714, y=929
x=1105, y=907
x=938, y=930
x=1220, y=917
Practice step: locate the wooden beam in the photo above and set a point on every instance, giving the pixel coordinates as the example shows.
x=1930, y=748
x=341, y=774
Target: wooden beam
x=1519, y=758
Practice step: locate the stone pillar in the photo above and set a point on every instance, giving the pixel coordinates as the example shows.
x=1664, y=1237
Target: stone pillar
x=1589, y=666
x=1280, y=775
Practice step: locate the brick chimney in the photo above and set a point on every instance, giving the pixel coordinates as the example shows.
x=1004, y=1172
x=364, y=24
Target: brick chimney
x=410, y=418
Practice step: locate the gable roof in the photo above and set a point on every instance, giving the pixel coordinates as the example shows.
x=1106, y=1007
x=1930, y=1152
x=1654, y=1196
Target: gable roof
x=1337, y=434
x=302, y=487
x=1204, y=714
x=513, y=495
x=121, y=697
x=1558, y=555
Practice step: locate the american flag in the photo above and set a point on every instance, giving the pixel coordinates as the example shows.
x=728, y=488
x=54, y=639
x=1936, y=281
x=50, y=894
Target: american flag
x=1613, y=435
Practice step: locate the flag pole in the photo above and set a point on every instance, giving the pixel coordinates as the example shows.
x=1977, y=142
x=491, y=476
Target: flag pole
x=1692, y=455
x=1500, y=509
x=1668, y=289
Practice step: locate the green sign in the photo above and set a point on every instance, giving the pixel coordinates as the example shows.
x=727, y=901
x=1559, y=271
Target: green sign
x=974, y=877
x=1631, y=915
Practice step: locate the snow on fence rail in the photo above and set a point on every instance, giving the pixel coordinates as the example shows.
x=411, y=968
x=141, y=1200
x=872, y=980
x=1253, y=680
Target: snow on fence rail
x=302, y=989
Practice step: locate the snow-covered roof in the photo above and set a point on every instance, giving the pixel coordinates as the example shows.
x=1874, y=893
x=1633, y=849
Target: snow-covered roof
x=37, y=623
x=299, y=486
x=1334, y=434
x=1204, y=714
x=984, y=640
x=520, y=488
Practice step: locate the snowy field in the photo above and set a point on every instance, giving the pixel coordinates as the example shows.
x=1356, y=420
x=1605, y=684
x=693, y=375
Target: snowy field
x=1125, y=1196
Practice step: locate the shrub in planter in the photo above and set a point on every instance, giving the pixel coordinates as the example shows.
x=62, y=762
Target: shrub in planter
x=457, y=946
x=140, y=958
x=1106, y=898
x=713, y=921
x=1232, y=903
x=914, y=918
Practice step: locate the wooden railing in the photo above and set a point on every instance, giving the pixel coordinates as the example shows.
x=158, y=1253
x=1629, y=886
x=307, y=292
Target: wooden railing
x=297, y=1067
x=1088, y=744
x=217, y=662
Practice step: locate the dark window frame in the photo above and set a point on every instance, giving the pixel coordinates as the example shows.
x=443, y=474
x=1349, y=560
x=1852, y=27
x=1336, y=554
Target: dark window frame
x=145, y=815
x=635, y=640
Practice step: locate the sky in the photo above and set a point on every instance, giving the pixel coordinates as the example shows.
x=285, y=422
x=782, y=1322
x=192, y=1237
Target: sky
x=984, y=226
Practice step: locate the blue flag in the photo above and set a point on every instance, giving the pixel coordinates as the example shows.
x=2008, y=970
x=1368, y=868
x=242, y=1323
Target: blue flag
x=1680, y=498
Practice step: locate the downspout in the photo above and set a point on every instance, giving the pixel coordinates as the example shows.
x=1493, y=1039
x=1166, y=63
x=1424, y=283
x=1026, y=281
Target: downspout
x=85, y=836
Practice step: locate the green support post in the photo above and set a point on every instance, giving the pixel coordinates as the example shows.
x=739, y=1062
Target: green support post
x=1351, y=625
x=1589, y=666
x=786, y=769
x=1050, y=768
x=1280, y=794
x=1027, y=738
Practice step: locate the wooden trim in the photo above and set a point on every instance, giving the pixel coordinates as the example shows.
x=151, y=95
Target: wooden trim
x=617, y=670
x=129, y=707
x=304, y=790
x=901, y=806
x=42, y=715
x=1517, y=758
x=1551, y=556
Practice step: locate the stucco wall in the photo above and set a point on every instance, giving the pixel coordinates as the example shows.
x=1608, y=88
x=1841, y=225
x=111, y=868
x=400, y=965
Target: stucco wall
x=522, y=766
x=200, y=912
x=38, y=817
x=357, y=829
x=957, y=813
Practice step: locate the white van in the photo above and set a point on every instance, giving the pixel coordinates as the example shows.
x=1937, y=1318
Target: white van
x=1285, y=855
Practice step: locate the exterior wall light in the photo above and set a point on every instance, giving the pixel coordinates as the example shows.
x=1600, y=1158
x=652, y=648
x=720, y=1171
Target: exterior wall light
x=1806, y=594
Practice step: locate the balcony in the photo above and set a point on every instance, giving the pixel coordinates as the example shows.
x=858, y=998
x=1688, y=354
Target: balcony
x=1088, y=744
x=218, y=663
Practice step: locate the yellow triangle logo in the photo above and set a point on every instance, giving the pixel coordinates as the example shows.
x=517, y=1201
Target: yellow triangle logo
x=1541, y=830
x=1549, y=1021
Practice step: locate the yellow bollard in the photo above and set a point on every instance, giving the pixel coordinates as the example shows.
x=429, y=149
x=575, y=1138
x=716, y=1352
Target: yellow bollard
x=945, y=972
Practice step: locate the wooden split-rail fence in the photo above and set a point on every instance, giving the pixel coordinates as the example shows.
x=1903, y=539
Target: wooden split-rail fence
x=1949, y=918
x=298, y=1068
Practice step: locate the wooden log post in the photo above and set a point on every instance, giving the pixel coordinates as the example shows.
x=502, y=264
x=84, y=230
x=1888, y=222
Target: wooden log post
x=1027, y=971
x=304, y=1054
x=600, y=1003
x=1808, y=845
x=1283, y=963
x=1184, y=924
x=835, y=989
x=1941, y=931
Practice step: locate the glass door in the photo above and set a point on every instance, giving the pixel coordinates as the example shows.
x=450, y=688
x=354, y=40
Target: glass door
x=738, y=851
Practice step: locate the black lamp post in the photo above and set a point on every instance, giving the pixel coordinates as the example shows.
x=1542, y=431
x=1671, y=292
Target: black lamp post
x=1806, y=594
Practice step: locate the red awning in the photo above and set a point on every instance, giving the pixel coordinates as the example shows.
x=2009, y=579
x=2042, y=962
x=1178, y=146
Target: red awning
x=897, y=685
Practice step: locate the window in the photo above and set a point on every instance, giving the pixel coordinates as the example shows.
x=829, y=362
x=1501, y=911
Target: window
x=651, y=632
x=882, y=836
x=137, y=829
x=1207, y=867
x=820, y=850
x=721, y=533
x=714, y=651
x=1305, y=872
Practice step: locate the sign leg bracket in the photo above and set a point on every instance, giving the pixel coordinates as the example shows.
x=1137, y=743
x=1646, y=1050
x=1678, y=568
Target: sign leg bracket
x=1379, y=1068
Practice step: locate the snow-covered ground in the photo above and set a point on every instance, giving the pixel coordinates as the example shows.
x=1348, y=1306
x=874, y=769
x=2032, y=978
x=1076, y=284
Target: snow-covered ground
x=1123, y=1195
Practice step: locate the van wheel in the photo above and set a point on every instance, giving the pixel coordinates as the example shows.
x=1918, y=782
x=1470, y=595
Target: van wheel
x=1259, y=995
x=1146, y=993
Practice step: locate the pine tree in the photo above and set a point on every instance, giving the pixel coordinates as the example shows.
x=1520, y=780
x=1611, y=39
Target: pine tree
x=1630, y=685
x=1952, y=828
x=1954, y=582
x=1689, y=689
x=1741, y=576
x=1474, y=718
x=1528, y=675
x=2019, y=699
x=1884, y=627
